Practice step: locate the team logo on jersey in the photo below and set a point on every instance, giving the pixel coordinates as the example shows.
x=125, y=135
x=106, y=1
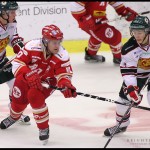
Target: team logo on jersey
x=144, y=63
x=34, y=60
x=109, y=33
x=16, y=92
x=3, y=43
x=98, y=13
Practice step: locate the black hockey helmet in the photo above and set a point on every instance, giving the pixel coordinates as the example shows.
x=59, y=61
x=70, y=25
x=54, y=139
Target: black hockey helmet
x=8, y=5
x=140, y=23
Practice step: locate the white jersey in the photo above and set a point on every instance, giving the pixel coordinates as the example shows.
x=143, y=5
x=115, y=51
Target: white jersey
x=135, y=62
x=7, y=34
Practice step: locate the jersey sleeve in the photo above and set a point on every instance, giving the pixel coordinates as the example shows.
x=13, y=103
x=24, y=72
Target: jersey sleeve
x=78, y=9
x=19, y=64
x=14, y=34
x=118, y=6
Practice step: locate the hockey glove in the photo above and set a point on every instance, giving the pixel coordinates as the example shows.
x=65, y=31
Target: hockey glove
x=129, y=14
x=17, y=44
x=33, y=80
x=5, y=70
x=87, y=23
x=132, y=94
x=68, y=89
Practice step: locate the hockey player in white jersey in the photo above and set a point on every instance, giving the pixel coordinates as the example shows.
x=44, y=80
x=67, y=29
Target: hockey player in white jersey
x=9, y=36
x=135, y=70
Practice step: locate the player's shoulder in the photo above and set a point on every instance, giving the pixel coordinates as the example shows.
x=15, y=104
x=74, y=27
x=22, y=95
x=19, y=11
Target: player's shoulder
x=62, y=54
x=129, y=46
x=33, y=45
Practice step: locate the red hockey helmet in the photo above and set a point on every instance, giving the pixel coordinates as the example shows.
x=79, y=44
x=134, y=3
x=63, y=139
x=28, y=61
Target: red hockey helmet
x=52, y=32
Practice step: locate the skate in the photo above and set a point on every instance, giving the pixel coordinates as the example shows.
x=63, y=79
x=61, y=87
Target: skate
x=116, y=60
x=7, y=122
x=24, y=120
x=44, y=135
x=93, y=58
x=110, y=130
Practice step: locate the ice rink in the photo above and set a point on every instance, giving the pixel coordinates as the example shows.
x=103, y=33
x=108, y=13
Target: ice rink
x=80, y=122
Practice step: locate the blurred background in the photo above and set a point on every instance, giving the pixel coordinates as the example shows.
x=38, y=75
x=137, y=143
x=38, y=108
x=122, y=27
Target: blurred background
x=33, y=16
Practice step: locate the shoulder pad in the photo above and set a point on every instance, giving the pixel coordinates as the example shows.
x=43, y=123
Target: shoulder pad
x=62, y=54
x=130, y=45
x=33, y=45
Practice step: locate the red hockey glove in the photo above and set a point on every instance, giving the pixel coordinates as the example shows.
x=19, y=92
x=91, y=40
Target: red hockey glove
x=132, y=94
x=129, y=14
x=87, y=23
x=69, y=90
x=17, y=44
x=33, y=80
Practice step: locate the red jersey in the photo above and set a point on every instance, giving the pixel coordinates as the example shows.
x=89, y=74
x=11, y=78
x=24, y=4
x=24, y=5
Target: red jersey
x=96, y=9
x=32, y=57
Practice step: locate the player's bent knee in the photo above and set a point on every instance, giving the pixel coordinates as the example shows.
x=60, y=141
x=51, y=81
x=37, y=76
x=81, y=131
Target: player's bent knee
x=35, y=95
x=18, y=107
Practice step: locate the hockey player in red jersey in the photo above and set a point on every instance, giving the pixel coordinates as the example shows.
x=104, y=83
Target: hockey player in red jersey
x=9, y=36
x=89, y=16
x=135, y=70
x=41, y=61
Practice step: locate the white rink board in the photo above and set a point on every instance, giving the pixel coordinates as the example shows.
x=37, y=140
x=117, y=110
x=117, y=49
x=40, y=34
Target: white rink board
x=33, y=16
x=80, y=122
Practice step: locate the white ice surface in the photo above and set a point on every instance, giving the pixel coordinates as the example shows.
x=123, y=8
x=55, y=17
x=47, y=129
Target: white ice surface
x=80, y=122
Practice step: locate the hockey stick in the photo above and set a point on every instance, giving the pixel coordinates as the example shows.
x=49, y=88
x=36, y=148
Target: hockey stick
x=129, y=108
x=119, y=18
x=8, y=63
x=97, y=97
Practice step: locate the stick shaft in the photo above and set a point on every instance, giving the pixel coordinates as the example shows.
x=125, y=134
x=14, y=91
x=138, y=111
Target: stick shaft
x=119, y=18
x=129, y=108
x=102, y=99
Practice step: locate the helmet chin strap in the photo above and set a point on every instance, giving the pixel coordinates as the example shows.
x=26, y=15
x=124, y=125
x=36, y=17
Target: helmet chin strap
x=145, y=37
x=143, y=41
